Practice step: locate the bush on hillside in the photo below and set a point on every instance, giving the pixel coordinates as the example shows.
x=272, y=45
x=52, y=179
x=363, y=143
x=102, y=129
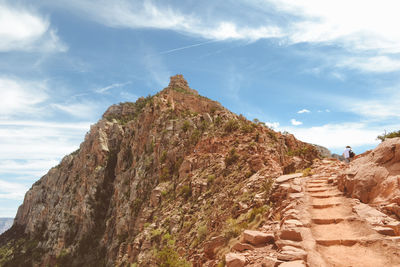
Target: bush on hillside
x=384, y=136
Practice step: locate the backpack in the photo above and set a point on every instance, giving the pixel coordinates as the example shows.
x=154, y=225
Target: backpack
x=351, y=154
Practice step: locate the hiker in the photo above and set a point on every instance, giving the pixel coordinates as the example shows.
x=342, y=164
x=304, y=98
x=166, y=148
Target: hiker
x=348, y=154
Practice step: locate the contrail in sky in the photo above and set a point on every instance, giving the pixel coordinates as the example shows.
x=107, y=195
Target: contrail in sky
x=185, y=47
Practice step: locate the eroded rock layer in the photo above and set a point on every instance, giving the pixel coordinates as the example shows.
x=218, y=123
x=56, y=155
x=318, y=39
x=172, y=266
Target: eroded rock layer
x=173, y=176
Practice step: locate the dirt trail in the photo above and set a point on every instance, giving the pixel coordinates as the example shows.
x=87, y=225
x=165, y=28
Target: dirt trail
x=320, y=227
x=341, y=236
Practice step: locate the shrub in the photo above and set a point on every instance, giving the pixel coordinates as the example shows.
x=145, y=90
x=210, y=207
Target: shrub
x=186, y=126
x=202, y=233
x=163, y=156
x=306, y=172
x=233, y=228
x=232, y=157
x=167, y=256
x=186, y=192
x=195, y=137
x=268, y=186
x=218, y=121
x=384, y=136
x=231, y=125
x=210, y=179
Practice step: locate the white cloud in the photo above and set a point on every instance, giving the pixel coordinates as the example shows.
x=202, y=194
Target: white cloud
x=23, y=140
x=34, y=168
x=273, y=125
x=85, y=110
x=21, y=97
x=295, y=122
x=358, y=24
x=303, y=111
x=10, y=190
x=372, y=64
x=336, y=136
x=24, y=30
x=148, y=14
x=109, y=87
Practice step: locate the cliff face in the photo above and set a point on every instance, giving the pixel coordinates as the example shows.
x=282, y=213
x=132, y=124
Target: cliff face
x=153, y=179
x=374, y=177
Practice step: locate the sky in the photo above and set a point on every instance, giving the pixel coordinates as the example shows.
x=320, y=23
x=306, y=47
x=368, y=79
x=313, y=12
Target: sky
x=326, y=71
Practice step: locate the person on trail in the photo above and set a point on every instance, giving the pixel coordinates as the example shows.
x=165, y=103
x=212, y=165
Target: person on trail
x=348, y=154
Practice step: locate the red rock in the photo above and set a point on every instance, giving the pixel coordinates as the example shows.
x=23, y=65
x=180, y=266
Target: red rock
x=211, y=245
x=290, y=234
x=373, y=176
x=299, y=263
x=257, y=237
x=290, y=253
x=234, y=260
x=242, y=247
x=385, y=230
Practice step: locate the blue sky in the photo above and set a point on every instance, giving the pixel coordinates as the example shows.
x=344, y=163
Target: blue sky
x=326, y=71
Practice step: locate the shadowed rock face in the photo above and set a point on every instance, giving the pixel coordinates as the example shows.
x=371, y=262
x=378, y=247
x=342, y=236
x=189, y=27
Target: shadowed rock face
x=374, y=177
x=175, y=163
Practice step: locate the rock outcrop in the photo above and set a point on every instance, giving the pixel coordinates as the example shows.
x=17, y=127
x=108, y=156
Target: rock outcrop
x=374, y=177
x=172, y=177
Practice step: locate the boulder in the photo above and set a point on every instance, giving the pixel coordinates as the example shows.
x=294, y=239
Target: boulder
x=234, y=260
x=290, y=253
x=373, y=177
x=211, y=245
x=288, y=177
x=257, y=238
x=242, y=246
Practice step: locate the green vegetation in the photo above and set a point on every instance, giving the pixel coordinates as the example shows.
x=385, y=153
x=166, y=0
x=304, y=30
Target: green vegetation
x=307, y=172
x=201, y=233
x=137, y=107
x=385, y=136
x=167, y=255
x=231, y=125
x=234, y=227
x=298, y=152
x=195, y=137
x=186, y=126
x=186, y=192
x=232, y=157
x=210, y=179
x=272, y=135
x=163, y=156
x=268, y=186
x=183, y=91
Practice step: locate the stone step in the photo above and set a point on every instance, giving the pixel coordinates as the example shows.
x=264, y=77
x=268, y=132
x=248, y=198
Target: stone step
x=326, y=195
x=327, y=220
x=346, y=241
x=324, y=189
x=327, y=205
x=317, y=186
x=333, y=242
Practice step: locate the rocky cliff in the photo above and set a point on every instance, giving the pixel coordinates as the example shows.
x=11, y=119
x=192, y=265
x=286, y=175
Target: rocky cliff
x=169, y=179
x=374, y=177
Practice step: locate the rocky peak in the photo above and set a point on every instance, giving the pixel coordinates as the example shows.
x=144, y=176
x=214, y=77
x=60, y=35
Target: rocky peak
x=179, y=83
x=167, y=174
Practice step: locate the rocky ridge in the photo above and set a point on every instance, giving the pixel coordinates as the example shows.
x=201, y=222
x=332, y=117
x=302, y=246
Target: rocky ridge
x=174, y=177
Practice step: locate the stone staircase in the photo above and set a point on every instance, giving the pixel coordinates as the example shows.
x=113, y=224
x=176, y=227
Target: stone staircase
x=320, y=227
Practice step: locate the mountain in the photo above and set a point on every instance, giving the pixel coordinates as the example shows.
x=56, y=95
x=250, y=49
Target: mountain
x=5, y=223
x=164, y=181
